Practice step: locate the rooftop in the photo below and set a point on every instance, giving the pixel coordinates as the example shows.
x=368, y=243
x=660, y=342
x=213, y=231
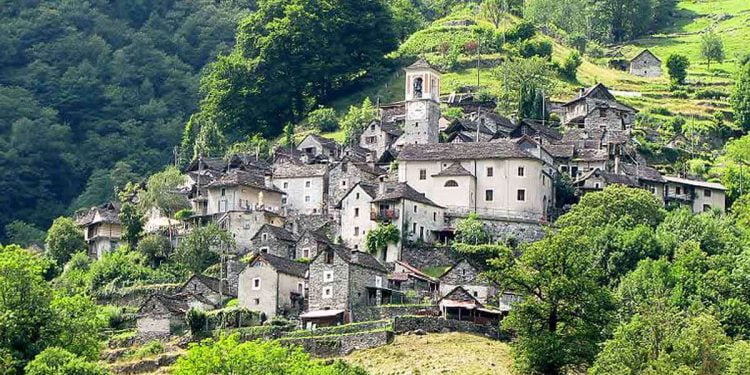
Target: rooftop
x=282, y=265
x=703, y=184
x=500, y=149
x=402, y=190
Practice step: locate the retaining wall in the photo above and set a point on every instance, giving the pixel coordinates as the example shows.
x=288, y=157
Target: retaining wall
x=339, y=345
x=405, y=324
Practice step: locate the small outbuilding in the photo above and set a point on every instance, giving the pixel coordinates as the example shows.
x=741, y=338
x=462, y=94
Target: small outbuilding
x=645, y=64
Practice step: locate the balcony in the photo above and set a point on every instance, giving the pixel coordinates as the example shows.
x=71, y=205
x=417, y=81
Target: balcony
x=383, y=215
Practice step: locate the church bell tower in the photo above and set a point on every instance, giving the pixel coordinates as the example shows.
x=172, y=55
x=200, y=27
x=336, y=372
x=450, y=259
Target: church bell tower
x=422, y=104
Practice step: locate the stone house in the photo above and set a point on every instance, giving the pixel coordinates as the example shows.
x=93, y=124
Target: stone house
x=355, y=214
x=316, y=146
x=460, y=304
x=305, y=186
x=418, y=218
x=645, y=64
x=536, y=130
x=347, y=173
x=379, y=136
x=340, y=282
x=273, y=285
x=467, y=130
x=274, y=240
x=101, y=227
x=700, y=196
x=208, y=288
x=161, y=315
x=240, y=190
x=406, y=277
x=467, y=276
x=501, y=180
x=243, y=225
x=310, y=243
x=595, y=108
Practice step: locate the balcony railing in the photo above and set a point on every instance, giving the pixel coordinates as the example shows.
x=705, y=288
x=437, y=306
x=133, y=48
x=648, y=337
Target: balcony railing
x=379, y=215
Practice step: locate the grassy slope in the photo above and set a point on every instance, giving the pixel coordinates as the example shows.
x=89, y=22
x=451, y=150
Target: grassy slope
x=449, y=353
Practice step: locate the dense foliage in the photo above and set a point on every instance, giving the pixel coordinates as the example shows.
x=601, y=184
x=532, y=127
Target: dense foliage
x=87, y=84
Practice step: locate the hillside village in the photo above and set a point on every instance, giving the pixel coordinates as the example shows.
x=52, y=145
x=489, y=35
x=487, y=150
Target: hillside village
x=300, y=221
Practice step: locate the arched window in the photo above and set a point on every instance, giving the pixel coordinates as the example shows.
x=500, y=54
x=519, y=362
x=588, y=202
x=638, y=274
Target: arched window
x=418, y=88
x=451, y=183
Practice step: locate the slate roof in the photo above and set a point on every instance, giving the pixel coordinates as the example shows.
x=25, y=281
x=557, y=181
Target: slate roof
x=212, y=163
x=298, y=170
x=283, y=265
x=704, y=184
x=591, y=154
x=415, y=271
x=501, y=149
x=465, y=124
x=453, y=170
x=238, y=177
x=325, y=142
x=369, y=188
x=461, y=136
x=402, y=190
x=362, y=259
x=391, y=128
x=278, y=233
x=499, y=119
x=560, y=151
x=173, y=304
x=645, y=51
x=421, y=64
x=541, y=128
x=368, y=168
x=211, y=283
x=473, y=265
x=588, y=91
x=642, y=172
x=107, y=213
x=614, y=178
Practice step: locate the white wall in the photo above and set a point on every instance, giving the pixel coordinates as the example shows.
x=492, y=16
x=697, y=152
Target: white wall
x=296, y=190
x=353, y=226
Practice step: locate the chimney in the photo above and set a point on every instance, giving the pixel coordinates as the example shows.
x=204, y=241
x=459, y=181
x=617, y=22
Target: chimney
x=381, y=187
x=268, y=180
x=370, y=159
x=355, y=256
x=581, y=91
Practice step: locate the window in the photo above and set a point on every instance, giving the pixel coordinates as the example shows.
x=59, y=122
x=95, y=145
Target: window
x=602, y=113
x=521, y=171
x=421, y=232
x=283, y=200
x=371, y=140
x=256, y=301
x=490, y=171
x=327, y=292
x=678, y=190
x=451, y=183
x=300, y=288
x=378, y=282
x=489, y=195
x=356, y=212
x=706, y=207
x=307, y=184
x=264, y=237
x=223, y=192
x=264, y=250
x=343, y=183
x=307, y=199
x=414, y=228
x=356, y=231
x=415, y=208
x=246, y=224
x=521, y=195
x=328, y=276
x=286, y=185
x=707, y=193
x=329, y=257
x=306, y=253
x=372, y=127
x=256, y=283
x=434, y=216
x=476, y=294
x=422, y=174
x=356, y=196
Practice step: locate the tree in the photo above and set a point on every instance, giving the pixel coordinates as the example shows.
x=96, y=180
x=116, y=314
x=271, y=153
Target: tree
x=570, y=66
x=132, y=223
x=564, y=310
x=740, y=97
x=712, y=47
x=64, y=239
x=494, y=11
x=24, y=234
x=615, y=205
x=162, y=192
x=58, y=361
x=378, y=238
x=202, y=246
x=355, y=121
x=677, y=66
x=323, y=119
x=24, y=302
x=407, y=18
x=230, y=356
x=521, y=78
x=75, y=326
x=471, y=231
x=156, y=248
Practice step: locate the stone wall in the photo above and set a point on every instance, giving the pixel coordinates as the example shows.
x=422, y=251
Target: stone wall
x=339, y=297
x=334, y=346
x=514, y=231
x=405, y=324
x=135, y=296
x=393, y=311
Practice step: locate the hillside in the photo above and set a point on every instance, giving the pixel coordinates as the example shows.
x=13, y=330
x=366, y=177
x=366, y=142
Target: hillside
x=448, y=353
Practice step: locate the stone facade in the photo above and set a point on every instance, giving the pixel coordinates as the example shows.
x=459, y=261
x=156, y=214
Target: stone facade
x=465, y=275
x=424, y=256
x=263, y=288
x=346, y=174
x=336, y=346
x=309, y=244
x=208, y=288
x=355, y=215
x=243, y=225
x=403, y=324
x=646, y=64
x=315, y=146
x=378, y=137
x=307, y=195
x=270, y=240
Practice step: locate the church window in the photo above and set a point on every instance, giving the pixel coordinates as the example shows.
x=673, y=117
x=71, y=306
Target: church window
x=418, y=87
x=451, y=183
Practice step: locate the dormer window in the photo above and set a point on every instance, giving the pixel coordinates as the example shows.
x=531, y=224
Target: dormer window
x=329, y=257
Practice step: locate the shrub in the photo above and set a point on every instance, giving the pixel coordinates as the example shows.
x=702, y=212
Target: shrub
x=58, y=361
x=660, y=111
x=578, y=41
x=541, y=48
x=323, y=119
x=677, y=66
x=149, y=349
x=570, y=66
x=520, y=32
x=680, y=94
x=709, y=94
x=197, y=321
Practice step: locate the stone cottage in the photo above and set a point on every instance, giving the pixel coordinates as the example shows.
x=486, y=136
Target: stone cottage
x=355, y=214
x=460, y=304
x=274, y=240
x=273, y=285
x=645, y=64
x=305, y=186
x=467, y=276
x=347, y=173
x=101, y=227
x=379, y=136
x=596, y=108
x=208, y=288
x=161, y=315
x=340, y=282
x=406, y=277
x=310, y=243
x=316, y=146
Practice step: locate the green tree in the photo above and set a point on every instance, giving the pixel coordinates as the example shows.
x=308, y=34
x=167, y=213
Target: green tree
x=229, y=356
x=615, y=205
x=570, y=65
x=378, y=238
x=58, y=361
x=564, y=310
x=739, y=358
x=471, y=230
x=355, y=121
x=323, y=119
x=202, y=246
x=24, y=234
x=494, y=11
x=156, y=248
x=523, y=77
x=162, y=192
x=740, y=97
x=407, y=17
x=132, y=223
x=712, y=47
x=64, y=239
x=75, y=326
x=677, y=66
